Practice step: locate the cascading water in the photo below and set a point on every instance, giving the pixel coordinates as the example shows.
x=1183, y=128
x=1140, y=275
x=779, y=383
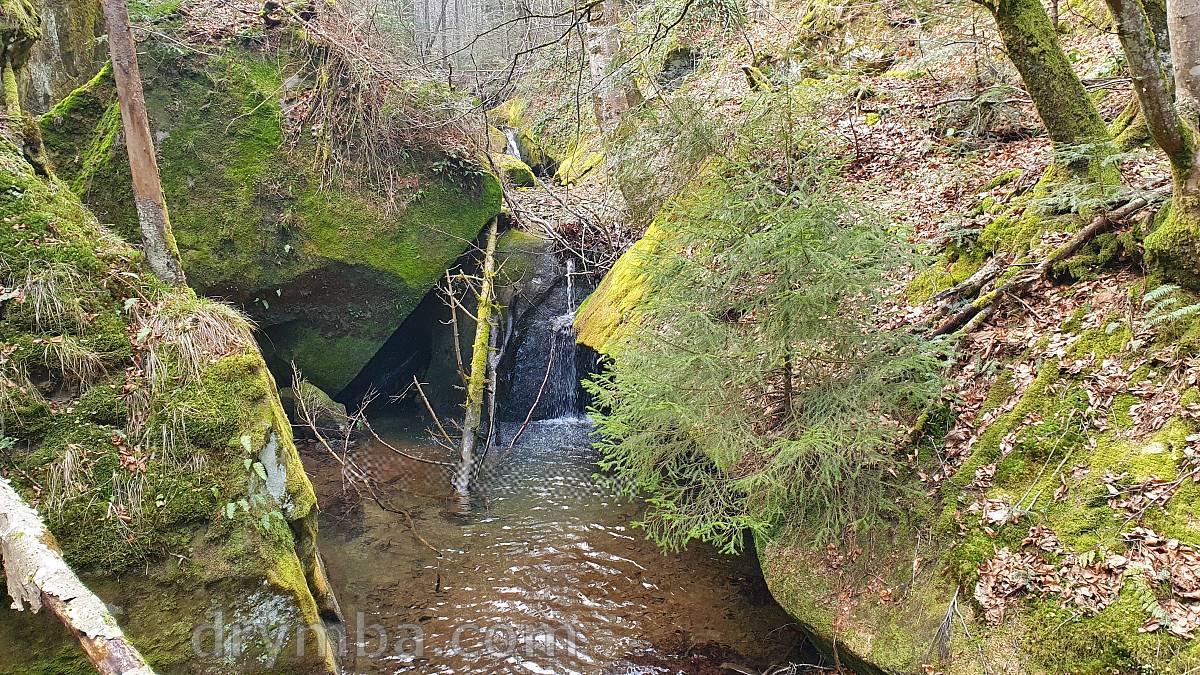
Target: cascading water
x=514, y=144
x=547, y=365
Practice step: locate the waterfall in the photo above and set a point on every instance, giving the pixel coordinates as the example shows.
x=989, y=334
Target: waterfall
x=514, y=145
x=547, y=364
x=571, y=304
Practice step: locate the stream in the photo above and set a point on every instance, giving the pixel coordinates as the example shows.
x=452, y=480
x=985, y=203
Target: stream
x=543, y=575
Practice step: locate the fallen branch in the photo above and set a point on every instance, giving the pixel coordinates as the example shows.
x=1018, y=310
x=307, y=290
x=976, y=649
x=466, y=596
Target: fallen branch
x=1019, y=284
x=969, y=287
x=38, y=576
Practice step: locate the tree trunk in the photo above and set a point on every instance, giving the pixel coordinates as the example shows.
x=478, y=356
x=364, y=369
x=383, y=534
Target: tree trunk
x=1170, y=108
x=613, y=90
x=1150, y=80
x=38, y=576
x=12, y=99
x=158, y=242
x=477, y=379
x=1068, y=113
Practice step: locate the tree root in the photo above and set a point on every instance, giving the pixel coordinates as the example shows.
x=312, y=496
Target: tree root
x=976, y=313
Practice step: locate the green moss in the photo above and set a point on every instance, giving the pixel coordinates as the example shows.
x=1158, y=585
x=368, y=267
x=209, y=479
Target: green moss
x=81, y=118
x=580, y=160
x=1173, y=246
x=1103, y=342
x=952, y=269
x=612, y=307
x=1110, y=641
x=102, y=404
x=328, y=361
x=255, y=221
x=510, y=113
x=20, y=27
x=142, y=502
x=516, y=254
x=1003, y=388
x=1003, y=178
x=514, y=171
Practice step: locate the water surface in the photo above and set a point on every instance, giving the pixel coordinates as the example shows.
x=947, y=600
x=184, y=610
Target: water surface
x=542, y=575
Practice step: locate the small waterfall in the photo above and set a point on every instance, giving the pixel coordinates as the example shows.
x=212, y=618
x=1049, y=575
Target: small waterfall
x=514, y=144
x=547, y=364
x=572, y=305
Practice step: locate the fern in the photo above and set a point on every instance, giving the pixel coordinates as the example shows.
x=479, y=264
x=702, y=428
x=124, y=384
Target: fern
x=1160, y=292
x=1166, y=299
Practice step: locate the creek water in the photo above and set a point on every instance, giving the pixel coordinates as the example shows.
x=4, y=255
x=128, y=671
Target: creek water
x=542, y=575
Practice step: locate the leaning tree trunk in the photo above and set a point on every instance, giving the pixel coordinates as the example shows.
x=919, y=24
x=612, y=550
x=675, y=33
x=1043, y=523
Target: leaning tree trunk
x=613, y=90
x=1068, y=113
x=39, y=577
x=477, y=378
x=158, y=242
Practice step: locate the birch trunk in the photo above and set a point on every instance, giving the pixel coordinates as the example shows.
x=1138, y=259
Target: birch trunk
x=39, y=577
x=158, y=242
x=477, y=378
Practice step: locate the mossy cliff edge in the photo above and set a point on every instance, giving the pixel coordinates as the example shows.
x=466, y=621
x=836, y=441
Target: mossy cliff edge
x=329, y=270
x=144, y=425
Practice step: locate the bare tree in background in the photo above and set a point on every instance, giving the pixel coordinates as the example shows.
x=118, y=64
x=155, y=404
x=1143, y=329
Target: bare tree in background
x=158, y=242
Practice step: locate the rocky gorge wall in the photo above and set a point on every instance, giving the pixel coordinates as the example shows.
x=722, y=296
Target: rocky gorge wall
x=143, y=423
x=328, y=270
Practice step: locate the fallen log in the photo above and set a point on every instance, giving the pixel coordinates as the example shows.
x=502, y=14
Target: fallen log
x=39, y=577
x=1022, y=282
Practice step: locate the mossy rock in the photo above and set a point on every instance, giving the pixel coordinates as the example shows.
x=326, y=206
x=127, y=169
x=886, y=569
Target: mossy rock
x=510, y=113
x=514, y=172
x=612, y=309
x=841, y=603
x=328, y=270
x=20, y=28
x=152, y=515
x=71, y=50
x=578, y=162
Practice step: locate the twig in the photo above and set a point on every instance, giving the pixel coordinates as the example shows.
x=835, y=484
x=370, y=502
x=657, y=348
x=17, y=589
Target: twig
x=436, y=420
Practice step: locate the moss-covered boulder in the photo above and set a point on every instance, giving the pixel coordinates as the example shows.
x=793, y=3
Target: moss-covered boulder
x=328, y=268
x=142, y=422
x=612, y=309
x=515, y=172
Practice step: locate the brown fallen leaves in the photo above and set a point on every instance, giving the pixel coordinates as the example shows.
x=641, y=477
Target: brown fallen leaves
x=1091, y=581
x=1086, y=582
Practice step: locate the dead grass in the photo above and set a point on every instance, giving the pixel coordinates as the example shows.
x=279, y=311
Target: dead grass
x=183, y=334
x=77, y=363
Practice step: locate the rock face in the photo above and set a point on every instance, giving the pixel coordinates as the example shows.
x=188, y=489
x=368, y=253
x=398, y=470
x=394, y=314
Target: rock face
x=68, y=54
x=143, y=423
x=328, y=271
